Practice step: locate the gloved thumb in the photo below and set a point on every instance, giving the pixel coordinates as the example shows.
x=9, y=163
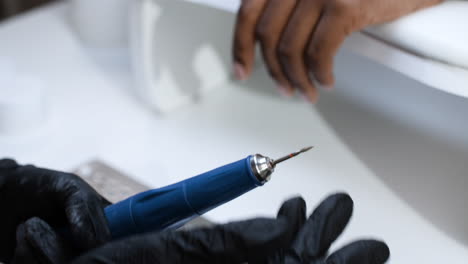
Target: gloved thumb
x=37, y=242
x=84, y=209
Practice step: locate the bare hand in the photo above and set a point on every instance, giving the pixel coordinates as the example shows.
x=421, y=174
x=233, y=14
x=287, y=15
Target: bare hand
x=299, y=38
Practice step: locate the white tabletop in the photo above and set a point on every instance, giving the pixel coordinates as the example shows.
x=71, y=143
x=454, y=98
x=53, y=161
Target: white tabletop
x=92, y=114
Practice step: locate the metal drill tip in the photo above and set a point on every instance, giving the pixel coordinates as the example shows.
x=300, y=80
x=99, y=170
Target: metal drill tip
x=306, y=149
x=294, y=154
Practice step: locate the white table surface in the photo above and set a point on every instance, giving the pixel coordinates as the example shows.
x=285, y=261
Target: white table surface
x=92, y=114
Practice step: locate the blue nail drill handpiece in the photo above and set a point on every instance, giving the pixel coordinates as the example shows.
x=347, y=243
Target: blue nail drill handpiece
x=174, y=205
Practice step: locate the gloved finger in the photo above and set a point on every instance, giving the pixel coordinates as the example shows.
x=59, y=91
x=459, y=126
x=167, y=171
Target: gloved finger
x=323, y=227
x=87, y=221
x=8, y=164
x=84, y=210
x=361, y=252
x=268, y=32
x=237, y=242
x=244, y=37
x=36, y=242
x=294, y=211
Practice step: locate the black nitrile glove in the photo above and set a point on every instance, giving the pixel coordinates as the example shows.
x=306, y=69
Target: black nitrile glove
x=316, y=234
x=46, y=197
x=232, y=243
x=235, y=242
x=254, y=241
x=32, y=200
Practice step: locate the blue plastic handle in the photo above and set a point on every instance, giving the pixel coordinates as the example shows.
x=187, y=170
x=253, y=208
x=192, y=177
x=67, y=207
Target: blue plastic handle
x=173, y=205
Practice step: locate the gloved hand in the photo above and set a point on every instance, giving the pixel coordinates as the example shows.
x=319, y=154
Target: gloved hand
x=33, y=198
x=289, y=239
x=316, y=234
x=235, y=242
x=299, y=38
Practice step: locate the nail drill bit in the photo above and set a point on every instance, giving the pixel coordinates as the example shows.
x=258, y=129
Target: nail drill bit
x=263, y=166
x=292, y=155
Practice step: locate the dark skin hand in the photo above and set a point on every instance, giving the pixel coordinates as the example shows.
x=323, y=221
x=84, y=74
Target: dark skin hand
x=300, y=38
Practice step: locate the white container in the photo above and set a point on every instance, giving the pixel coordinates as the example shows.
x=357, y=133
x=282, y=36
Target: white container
x=175, y=64
x=102, y=23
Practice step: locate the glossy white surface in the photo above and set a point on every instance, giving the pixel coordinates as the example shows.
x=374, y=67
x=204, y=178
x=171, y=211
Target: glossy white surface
x=438, y=33
x=404, y=167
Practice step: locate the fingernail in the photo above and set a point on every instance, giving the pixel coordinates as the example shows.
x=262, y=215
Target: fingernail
x=284, y=90
x=239, y=72
x=309, y=98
